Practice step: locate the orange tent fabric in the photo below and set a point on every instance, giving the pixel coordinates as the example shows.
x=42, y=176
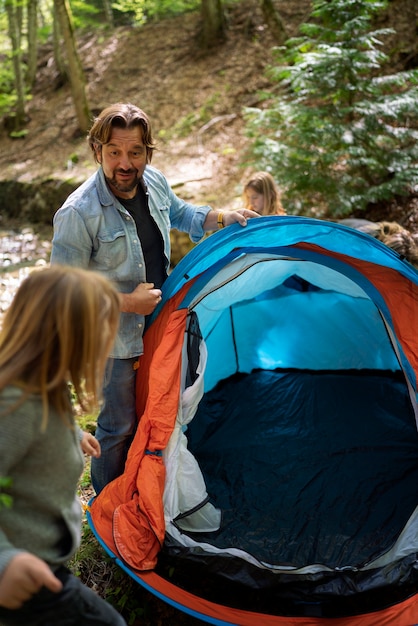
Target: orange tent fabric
x=128, y=515
x=403, y=614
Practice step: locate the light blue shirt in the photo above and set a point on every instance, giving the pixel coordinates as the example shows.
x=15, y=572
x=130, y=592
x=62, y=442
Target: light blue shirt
x=93, y=230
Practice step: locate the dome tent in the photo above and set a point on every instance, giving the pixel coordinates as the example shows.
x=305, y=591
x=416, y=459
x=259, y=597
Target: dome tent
x=276, y=456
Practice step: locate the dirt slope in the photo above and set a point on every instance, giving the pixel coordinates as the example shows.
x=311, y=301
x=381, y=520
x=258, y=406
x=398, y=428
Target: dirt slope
x=161, y=68
x=194, y=100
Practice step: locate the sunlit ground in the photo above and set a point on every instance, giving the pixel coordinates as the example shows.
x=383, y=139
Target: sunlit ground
x=20, y=253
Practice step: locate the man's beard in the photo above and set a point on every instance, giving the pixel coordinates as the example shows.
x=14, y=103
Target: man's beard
x=124, y=187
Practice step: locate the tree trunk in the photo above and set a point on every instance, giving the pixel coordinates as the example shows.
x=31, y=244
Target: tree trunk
x=75, y=70
x=403, y=15
x=108, y=12
x=32, y=42
x=274, y=21
x=62, y=74
x=15, y=39
x=214, y=24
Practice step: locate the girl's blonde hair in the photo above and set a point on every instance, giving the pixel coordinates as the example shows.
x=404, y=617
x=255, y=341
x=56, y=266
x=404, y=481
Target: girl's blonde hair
x=263, y=183
x=59, y=329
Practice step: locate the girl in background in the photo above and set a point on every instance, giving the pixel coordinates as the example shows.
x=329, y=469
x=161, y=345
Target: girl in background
x=262, y=195
x=58, y=330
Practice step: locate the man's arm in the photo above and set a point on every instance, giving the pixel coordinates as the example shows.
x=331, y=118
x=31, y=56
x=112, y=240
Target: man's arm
x=219, y=219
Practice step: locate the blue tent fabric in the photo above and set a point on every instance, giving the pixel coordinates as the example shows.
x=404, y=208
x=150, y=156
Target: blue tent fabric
x=236, y=242
x=294, y=432
x=292, y=467
x=258, y=235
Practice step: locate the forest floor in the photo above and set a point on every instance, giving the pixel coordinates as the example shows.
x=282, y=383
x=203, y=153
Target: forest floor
x=195, y=102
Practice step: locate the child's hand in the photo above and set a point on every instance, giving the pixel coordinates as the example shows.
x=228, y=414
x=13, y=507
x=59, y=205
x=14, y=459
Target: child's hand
x=90, y=445
x=23, y=578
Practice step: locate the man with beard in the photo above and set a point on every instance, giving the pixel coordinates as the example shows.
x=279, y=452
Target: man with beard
x=118, y=223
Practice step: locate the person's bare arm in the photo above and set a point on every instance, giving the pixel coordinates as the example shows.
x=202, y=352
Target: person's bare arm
x=218, y=219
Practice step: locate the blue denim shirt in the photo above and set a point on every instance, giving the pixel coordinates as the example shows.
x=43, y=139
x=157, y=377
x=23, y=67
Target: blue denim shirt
x=93, y=230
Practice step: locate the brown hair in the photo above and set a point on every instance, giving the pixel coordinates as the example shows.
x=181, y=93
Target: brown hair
x=396, y=237
x=59, y=329
x=404, y=243
x=263, y=183
x=120, y=115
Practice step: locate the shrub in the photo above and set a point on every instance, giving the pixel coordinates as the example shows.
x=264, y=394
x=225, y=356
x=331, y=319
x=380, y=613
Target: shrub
x=340, y=133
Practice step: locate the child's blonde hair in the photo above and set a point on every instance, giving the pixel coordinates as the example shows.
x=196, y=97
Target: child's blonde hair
x=263, y=183
x=59, y=329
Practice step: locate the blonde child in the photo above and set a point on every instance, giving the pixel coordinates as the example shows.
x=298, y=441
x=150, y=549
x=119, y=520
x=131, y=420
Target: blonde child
x=58, y=330
x=262, y=195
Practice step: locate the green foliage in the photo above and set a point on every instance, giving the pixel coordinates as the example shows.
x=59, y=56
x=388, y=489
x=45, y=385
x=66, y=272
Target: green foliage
x=341, y=133
x=74, y=158
x=87, y=422
x=18, y=134
x=123, y=595
x=88, y=552
x=85, y=481
x=144, y=10
x=158, y=9
x=85, y=14
x=97, y=570
x=7, y=93
x=195, y=120
x=5, y=498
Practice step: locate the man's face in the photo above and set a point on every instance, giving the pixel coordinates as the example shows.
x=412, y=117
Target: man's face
x=123, y=160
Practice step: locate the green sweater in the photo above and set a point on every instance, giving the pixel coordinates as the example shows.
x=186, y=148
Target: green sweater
x=44, y=467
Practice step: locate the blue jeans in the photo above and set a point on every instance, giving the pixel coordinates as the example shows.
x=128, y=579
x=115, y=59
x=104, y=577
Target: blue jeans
x=74, y=605
x=116, y=423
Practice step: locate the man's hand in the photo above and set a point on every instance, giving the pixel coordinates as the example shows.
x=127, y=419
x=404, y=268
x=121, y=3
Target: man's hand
x=23, y=577
x=240, y=215
x=142, y=300
x=218, y=219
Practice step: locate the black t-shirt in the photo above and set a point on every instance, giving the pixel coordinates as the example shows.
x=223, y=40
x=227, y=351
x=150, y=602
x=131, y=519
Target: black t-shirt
x=149, y=235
